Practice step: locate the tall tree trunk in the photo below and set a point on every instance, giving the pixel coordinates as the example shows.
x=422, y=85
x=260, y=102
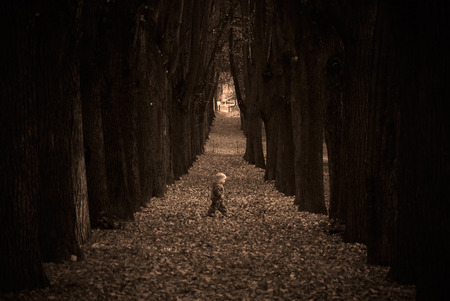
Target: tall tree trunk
x=92, y=87
x=307, y=116
x=333, y=129
x=117, y=121
x=234, y=73
x=282, y=52
x=420, y=49
x=382, y=169
x=358, y=41
x=63, y=190
x=253, y=150
x=285, y=174
x=20, y=258
x=120, y=107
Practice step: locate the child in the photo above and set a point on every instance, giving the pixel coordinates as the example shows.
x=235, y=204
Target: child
x=218, y=195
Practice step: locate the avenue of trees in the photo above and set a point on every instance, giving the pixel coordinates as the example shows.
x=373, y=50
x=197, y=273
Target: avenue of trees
x=106, y=102
x=103, y=104
x=370, y=78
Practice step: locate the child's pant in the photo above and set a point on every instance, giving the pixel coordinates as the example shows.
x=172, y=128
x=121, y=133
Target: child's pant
x=217, y=205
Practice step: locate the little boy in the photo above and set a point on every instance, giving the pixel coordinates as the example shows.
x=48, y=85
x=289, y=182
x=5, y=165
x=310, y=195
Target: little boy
x=218, y=195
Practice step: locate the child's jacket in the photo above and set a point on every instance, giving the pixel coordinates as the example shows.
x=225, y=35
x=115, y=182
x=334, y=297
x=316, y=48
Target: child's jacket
x=218, y=191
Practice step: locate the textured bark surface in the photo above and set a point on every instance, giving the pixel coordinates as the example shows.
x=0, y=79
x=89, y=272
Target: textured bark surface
x=20, y=258
x=252, y=81
x=419, y=46
x=382, y=165
x=359, y=24
x=63, y=190
x=307, y=111
x=333, y=91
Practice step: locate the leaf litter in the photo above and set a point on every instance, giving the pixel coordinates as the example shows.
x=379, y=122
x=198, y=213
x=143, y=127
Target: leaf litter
x=265, y=250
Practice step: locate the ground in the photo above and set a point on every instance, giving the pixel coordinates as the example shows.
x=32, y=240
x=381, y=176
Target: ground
x=265, y=249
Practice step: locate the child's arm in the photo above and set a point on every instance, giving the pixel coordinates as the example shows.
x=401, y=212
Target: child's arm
x=218, y=191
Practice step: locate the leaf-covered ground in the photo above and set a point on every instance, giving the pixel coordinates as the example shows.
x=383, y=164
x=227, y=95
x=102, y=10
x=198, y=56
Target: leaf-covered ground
x=265, y=250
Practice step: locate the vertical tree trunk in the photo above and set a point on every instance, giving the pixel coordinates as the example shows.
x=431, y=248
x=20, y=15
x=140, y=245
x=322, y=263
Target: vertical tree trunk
x=122, y=106
x=307, y=116
x=282, y=52
x=382, y=169
x=63, y=190
x=92, y=86
x=333, y=129
x=358, y=41
x=117, y=117
x=285, y=175
x=420, y=49
x=253, y=150
x=20, y=258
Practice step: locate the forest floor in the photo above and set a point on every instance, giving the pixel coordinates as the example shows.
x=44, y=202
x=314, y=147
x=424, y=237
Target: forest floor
x=265, y=250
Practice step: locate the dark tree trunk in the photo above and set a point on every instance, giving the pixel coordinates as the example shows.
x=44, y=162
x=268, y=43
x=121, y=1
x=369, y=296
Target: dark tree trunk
x=358, y=41
x=117, y=116
x=254, y=150
x=285, y=176
x=332, y=85
x=308, y=143
x=333, y=130
x=420, y=47
x=63, y=190
x=177, y=145
x=382, y=169
x=126, y=107
x=234, y=72
x=282, y=52
x=307, y=114
x=271, y=113
x=92, y=87
x=253, y=130
x=268, y=77
x=20, y=258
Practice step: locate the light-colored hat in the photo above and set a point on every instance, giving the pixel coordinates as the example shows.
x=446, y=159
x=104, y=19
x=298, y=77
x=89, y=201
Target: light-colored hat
x=220, y=177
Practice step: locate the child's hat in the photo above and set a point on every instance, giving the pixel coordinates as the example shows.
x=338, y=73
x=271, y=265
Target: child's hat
x=219, y=177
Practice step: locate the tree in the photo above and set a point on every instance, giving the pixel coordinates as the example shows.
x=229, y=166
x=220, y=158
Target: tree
x=307, y=107
x=20, y=258
x=63, y=212
x=333, y=124
x=276, y=107
x=382, y=163
x=92, y=65
x=355, y=23
x=252, y=81
x=418, y=44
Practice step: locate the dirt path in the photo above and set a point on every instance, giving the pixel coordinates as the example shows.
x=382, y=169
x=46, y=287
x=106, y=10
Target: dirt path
x=266, y=249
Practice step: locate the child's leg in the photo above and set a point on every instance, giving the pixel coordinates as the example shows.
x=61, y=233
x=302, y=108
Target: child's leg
x=212, y=208
x=221, y=207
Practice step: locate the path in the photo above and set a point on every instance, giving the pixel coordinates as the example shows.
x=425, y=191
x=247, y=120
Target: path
x=266, y=250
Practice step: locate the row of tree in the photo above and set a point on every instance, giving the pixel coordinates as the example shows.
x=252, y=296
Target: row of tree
x=103, y=104
x=370, y=77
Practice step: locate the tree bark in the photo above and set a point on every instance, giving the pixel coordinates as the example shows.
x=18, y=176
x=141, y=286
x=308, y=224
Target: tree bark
x=92, y=87
x=307, y=114
x=382, y=169
x=333, y=129
x=359, y=23
x=282, y=50
x=420, y=50
x=64, y=221
x=119, y=109
x=20, y=258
